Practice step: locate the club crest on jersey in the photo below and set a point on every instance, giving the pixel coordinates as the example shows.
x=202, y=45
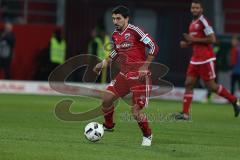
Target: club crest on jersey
x=115, y=39
x=127, y=36
x=196, y=26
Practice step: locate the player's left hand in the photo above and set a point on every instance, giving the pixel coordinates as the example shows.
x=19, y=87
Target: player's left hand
x=143, y=72
x=188, y=38
x=98, y=68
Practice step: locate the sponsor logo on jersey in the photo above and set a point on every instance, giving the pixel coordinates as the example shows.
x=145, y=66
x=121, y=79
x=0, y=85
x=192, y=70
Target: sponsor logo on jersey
x=124, y=45
x=127, y=36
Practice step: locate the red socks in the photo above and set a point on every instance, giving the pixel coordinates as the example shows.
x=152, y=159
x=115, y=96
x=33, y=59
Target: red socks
x=187, y=100
x=224, y=93
x=108, y=116
x=144, y=126
x=143, y=122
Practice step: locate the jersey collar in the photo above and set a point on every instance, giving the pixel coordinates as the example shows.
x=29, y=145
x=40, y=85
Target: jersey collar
x=121, y=33
x=194, y=21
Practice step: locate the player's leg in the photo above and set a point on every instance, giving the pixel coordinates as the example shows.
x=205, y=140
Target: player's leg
x=143, y=124
x=191, y=80
x=223, y=92
x=208, y=75
x=187, y=98
x=108, y=100
x=141, y=93
x=188, y=95
x=117, y=88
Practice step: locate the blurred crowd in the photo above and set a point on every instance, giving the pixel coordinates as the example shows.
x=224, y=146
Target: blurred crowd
x=7, y=43
x=98, y=46
x=51, y=56
x=11, y=11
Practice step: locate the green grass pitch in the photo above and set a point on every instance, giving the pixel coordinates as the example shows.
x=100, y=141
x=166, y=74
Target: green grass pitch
x=29, y=130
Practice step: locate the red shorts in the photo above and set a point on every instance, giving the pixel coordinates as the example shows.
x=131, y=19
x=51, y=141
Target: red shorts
x=123, y=85
x=205, y=71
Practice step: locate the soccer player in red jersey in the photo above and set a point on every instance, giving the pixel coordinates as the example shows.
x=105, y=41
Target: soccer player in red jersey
x=130, y=44
x=201, y=37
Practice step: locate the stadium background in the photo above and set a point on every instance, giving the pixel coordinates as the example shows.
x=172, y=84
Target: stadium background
x=165, y=20
x=29, y=128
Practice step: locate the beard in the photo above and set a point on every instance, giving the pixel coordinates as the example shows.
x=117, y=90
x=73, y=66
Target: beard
x=120, y=27
x=117, y=27
x=196, y=16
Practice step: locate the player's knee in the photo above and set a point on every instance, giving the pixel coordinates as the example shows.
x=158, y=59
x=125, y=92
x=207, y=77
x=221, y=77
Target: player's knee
x=108, y=99
x=213, y=87
x=107, y=102
x=135, y=112
x=189, y=85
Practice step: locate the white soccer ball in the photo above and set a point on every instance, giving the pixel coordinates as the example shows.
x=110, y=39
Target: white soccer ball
x=94, y=131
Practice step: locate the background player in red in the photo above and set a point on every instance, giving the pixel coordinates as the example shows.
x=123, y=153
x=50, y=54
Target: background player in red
x=201, y=37
x=130, y=44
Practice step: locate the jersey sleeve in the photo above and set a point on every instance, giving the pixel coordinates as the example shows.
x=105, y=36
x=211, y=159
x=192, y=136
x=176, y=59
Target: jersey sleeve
x=113, y=52
x=208, y=30
x=147, y=40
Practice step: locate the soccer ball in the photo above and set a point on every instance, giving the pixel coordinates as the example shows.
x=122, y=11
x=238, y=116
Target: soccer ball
x=94, y=131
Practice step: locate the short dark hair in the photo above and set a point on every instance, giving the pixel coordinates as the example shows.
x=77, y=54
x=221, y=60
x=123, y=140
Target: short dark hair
x=123, y=10
x=198, y=2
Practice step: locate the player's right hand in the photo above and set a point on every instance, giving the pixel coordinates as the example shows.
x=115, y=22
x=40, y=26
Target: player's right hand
x=184, y=44
x=98, y=68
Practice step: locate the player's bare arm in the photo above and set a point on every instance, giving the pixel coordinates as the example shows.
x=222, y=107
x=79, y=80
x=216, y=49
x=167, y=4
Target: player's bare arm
x=98, y=68
x=210, y=39
x=184, y=44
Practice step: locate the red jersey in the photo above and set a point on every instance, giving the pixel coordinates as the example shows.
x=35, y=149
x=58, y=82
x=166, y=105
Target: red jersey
x=130, y=47
x=202, y=53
